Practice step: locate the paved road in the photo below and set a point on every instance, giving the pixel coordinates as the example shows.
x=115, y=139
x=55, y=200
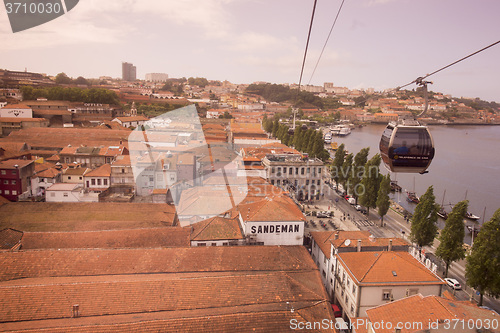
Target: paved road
x=394, y=226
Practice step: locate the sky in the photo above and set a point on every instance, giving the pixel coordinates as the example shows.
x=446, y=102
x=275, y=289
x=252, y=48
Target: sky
x=379, y=44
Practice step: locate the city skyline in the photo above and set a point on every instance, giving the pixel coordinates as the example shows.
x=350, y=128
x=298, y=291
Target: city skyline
x=375, y=43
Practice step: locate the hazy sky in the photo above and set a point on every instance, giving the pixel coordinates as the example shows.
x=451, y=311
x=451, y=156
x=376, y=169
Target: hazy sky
x=375, y=43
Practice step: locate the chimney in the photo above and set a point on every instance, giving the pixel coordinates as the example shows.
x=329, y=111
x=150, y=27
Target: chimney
x=390, y=245
x=336, y=236
x=359, y=245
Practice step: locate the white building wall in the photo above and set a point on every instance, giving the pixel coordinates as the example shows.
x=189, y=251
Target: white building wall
x=271, y=233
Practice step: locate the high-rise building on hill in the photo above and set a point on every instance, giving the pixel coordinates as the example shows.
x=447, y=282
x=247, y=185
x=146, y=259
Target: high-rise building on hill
x=129, y=72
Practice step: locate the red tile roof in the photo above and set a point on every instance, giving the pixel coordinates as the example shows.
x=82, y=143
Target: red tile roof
x=376, y=268
x=419, y=310
x=109, y=239
x=217, y=228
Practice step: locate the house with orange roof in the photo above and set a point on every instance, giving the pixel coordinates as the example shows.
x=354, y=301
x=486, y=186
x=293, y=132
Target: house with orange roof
x=272, y=220
x=15, y=175
x=418, y=313
x=98, y=180
x=20, y=110
x=132, y=121
x=46, y=174
x=368, y=279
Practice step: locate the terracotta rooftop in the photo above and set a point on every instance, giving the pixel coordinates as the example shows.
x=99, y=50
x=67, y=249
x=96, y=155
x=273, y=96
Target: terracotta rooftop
x=102, y=171
x=16, y=106
x=9, y=238
x=202, y=289
x=277, y=208
x=422, y=310
x=217, y=228
x=58, y=138
x=14, y=164
x=386, y=268
x=108, y=239
x=59, y=216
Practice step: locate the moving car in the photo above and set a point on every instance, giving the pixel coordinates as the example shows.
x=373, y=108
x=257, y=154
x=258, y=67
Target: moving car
x=453, y=283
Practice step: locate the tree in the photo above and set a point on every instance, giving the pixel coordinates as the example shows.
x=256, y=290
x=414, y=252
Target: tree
x=338, y=161
x=276, y=127
x=358, y=170
x=383, y=202
x=370, y=183
x=82, y=80
x=452, y=236
x=62, y=78
x=482, y=270
x=345, y=171
x=423, y=224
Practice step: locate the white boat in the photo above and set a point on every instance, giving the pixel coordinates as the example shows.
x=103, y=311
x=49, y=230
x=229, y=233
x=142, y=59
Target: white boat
x=471, y=216
x=340, y=130
x=328, y=138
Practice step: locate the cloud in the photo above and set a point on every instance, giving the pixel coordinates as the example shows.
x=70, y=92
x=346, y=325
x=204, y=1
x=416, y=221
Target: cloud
x=111, y=21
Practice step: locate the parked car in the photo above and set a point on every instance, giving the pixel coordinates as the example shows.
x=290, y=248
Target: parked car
x=453, y=283
x=358, y=207
x=322, y=214
x=352, y=201
x=336, y=311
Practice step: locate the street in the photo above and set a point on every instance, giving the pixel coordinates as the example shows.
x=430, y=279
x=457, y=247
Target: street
x=346, y=217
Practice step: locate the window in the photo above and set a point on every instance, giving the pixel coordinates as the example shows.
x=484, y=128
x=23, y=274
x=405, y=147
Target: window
x=42, y=180
x=7, y=192
x=348, y=282
x=278, y=182
x=6, y=182
x=296, y=171
x=353, y=289
x=92, y=181
x=13, y=182
x=307, y=181
x=319, y=182
x=346, y=301
x=98, y=182
x=14, y=172
x=302, y=171
x=151, y=179
x=272, y=170
x=105, y=181
x=352, y=310
x=284, y=170
x=123, y=170
x=272, y=181
x=4, y=172
x=324, y=273
x=319, y=171
x=65, y=194
x=80, y=178
x=308, y=170
x=202, y=244
x=14, y=192
x=290, y=171
x=69, y=177
x=214, y=244
x=386, y=294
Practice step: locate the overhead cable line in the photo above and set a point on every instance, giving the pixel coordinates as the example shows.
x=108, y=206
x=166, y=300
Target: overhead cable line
x=326, y=42
x=420, y=79
x=307, y=46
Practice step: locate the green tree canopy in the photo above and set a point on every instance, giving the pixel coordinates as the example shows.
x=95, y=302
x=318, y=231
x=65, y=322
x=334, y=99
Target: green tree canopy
x=345, y=171
x=423, y=224
x=338, y=161
x=358, y=168
x=482, y=270
x=383, y=202
x=452, y=236
x=62, y=78
x=370, y=183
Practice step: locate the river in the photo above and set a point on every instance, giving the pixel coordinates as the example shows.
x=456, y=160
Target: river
x=466, y=166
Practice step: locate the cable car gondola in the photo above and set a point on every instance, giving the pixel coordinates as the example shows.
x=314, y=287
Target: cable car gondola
x=407, y=146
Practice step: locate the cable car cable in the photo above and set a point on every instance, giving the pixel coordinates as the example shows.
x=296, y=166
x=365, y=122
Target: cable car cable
x=326, y=42
x=305, y=52
x=453, y=63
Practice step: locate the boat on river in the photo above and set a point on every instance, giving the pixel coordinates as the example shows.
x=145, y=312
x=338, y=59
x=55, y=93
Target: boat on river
x=472, y=217
x=412, y=197
x=395, y=187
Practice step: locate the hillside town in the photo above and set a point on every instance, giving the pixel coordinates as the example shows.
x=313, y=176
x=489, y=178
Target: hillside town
x=165, y=205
